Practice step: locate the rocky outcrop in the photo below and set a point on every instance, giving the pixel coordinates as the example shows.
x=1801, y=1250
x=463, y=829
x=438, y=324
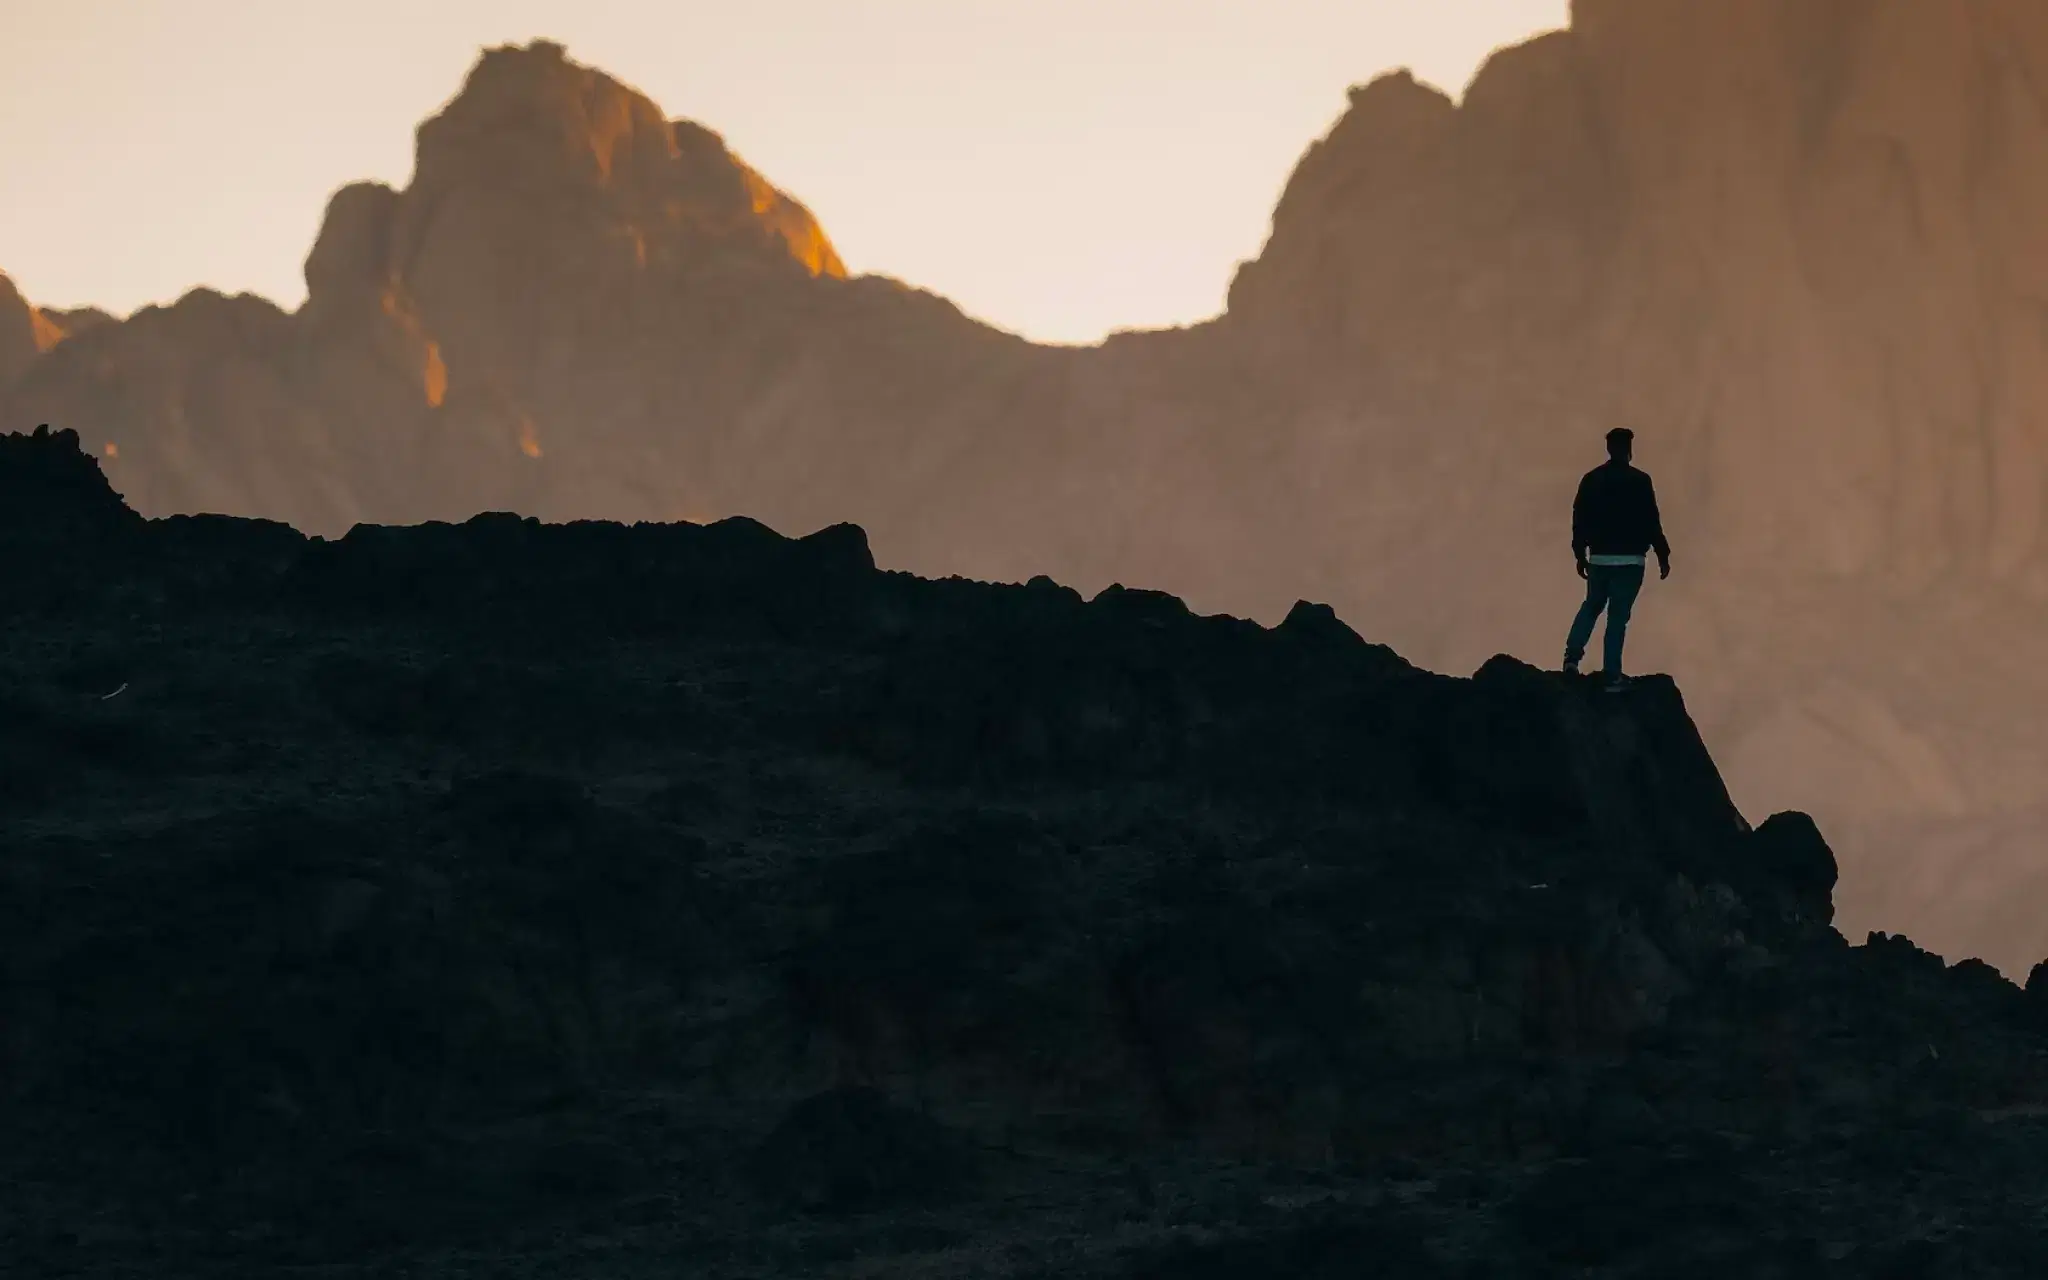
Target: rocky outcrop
x=720, y=902
x=1791, y=243
x=52, y=492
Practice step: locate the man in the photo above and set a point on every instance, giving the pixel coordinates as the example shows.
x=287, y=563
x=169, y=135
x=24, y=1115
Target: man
x=1614, y=526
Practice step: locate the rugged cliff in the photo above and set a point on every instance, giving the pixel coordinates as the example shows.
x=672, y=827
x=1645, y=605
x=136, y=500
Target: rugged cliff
x=1790, y=243
x=517, y=898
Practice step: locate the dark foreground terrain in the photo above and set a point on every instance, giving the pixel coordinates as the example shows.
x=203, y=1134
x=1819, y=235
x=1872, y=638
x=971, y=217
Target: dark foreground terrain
x=508, y=899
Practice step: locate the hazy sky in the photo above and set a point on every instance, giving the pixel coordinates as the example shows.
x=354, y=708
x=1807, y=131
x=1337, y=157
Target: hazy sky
x=1059, y=167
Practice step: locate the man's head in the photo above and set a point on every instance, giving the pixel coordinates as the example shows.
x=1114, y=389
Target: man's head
x=1621, y=444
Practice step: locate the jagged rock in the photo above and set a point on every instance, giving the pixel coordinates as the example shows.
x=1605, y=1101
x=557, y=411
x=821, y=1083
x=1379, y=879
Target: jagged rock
x=1792, y=853
x=1318, y=624
x=2037, y=985
x=50, y=491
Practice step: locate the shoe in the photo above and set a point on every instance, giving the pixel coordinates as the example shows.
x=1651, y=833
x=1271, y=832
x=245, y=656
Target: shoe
x=1571, y=666
x=1617, y=684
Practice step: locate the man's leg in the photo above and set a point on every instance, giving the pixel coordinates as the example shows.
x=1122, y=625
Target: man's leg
x=1621, y=602
x=1589, y=613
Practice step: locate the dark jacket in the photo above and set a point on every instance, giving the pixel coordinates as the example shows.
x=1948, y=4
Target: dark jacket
x=1615, y=514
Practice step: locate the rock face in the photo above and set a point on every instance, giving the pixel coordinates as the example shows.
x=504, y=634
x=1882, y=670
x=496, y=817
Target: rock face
x=17, y=334
x=26, y=332
x=704, y=901
x=1792, y=243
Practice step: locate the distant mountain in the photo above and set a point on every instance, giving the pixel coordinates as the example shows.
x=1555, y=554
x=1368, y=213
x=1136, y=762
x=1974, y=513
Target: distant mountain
x=1795, y=245
x=570, y=283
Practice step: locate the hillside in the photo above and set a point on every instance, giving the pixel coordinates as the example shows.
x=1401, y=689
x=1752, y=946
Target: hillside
x=1790, y=243
x=508, y=898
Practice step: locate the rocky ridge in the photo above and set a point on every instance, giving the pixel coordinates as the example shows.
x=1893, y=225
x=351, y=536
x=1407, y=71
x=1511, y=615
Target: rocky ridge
x=516, y=898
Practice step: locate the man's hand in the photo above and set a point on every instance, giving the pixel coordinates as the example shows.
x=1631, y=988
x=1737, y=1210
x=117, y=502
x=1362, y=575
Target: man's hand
x=1581, y=562
x=1663, y=566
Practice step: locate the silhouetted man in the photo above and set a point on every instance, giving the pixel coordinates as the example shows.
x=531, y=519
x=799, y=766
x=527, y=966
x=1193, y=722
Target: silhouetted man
x=1615, y=526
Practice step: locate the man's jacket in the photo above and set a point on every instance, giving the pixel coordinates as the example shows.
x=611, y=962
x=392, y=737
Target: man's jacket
x=1615, y=514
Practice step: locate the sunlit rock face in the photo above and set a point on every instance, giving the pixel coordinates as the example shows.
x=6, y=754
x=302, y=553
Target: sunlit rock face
x=17, y=334
x=1793, y=244
x=25, y=331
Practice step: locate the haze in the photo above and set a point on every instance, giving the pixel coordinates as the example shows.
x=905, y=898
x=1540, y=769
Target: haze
x=1061, y=168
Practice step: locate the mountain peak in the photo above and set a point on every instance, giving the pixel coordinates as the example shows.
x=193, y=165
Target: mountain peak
x=532, y=124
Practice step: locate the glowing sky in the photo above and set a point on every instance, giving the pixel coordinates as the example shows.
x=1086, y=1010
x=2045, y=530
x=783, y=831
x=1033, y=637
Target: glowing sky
x=1059, y=167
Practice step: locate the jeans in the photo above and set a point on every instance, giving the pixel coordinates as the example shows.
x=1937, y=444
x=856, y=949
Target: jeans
x=1613, y=588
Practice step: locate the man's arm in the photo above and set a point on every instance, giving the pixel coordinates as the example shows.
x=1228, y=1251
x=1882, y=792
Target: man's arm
x=1579, y=527
x=1657, y=542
